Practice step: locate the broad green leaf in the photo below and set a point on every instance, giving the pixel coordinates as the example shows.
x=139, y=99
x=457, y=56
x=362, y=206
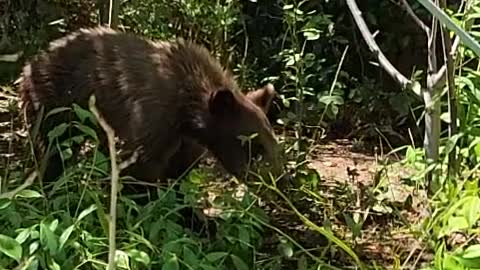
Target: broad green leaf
x=450, y=263
x=54, y=225
x=57, y=131
x=4, y=203
x=311, y=33
x=456, y=224
x=285, y=250
x=471, y=210
x=121, y=259
x=215, y=256
x=33, y=247
x=48, y=238
x=87, y=130
x=207, y=267
x=86, y=212
x=417, y=88
x=102, y=162
x=139, y=256
x=23, y=235
x=65, y=235
x=67, y=153
x=472, y=252
x=27, y=193
x=190, y=257
x=83, y=114
x=337, y=100
x=171, y=264
x=243, y=234
x=239, y=263
x=56, y=110
x=53, y=265
x=471, y=257
x=10, y=247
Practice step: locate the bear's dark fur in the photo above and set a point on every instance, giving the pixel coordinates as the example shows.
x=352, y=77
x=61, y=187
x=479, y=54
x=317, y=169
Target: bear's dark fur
x=170, y=99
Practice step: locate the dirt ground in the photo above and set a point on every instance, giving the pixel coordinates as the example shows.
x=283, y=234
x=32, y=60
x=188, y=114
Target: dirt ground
x=387, y=216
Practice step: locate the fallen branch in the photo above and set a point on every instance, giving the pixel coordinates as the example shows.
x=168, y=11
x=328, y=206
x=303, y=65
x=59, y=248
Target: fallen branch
x=114, y=182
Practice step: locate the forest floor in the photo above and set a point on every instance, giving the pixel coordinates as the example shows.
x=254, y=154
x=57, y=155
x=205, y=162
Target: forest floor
x=382, y=198
x=354, y=187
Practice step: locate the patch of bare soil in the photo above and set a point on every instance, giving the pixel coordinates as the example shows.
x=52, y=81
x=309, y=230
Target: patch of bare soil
x=378, y=197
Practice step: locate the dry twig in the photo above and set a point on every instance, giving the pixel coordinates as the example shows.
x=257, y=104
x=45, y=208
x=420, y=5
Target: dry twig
x=114, y=182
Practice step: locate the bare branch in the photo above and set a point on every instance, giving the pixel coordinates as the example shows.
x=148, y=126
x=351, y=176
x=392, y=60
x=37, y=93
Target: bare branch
x=439, y=78
x=114, y=182
x=414, y=16
x=132, y=159
x=367, y=36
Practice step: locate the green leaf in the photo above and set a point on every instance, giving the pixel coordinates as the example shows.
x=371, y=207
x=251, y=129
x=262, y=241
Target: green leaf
x=190, y=257
x=417, y=88
x=311, y=34
x=86, y=212
x=56, y=110
x=239, y=263
x=450, y=263
x=67, y=153
x=215, y=256
x=53, y=265
x=470, y=257
x=121, y=259
x=457, y=224
x=285, y=250
x=207, y=267
x=23, y=235
x=27, y=193
x=10, y=247
x=243, y=234
x=171, y=264
x=337, y=100
x=471, y=210
x=472, y=251
x=139, y=256
x=53, y=225
x=83, y=114
x=33, y=247
x=87, y=130
x=48, y=238
x=65, y=235
x=4, y=203
x=102, y=162
x=57, y=131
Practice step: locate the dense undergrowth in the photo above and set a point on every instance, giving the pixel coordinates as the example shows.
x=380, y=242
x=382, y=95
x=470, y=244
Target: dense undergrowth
x=327, y=90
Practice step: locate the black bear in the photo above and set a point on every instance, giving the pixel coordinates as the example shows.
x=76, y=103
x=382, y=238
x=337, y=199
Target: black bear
x=171, y=99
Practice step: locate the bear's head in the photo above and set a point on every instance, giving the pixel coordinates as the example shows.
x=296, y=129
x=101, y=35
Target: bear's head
x=235, y=117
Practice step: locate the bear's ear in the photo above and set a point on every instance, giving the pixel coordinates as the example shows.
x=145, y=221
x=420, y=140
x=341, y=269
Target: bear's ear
x=262, y=97
x=222, y=102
